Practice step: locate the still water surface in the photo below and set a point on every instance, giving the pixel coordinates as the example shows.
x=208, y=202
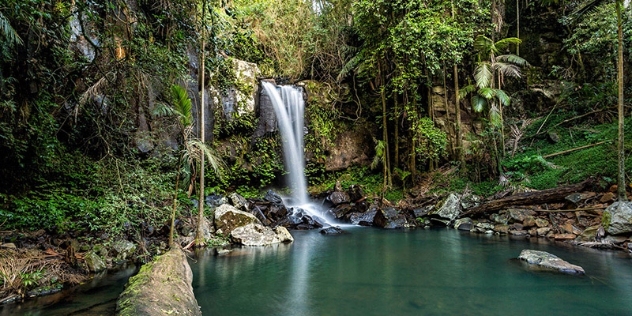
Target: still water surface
x=415, y=272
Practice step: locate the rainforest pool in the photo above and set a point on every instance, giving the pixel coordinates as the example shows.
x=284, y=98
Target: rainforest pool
x=409, y=272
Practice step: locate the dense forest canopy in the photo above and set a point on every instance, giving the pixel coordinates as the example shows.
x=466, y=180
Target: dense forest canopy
x=85, y=94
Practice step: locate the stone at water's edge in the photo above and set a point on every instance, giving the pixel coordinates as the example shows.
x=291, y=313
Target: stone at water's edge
x=283, y=234
x=390, y=218
x=617, y=218
x=463, y=224
x=227, y=218
x=549, y=261
x=258, y=235
x=161, y=287
x=450, y=209
x=94, y=263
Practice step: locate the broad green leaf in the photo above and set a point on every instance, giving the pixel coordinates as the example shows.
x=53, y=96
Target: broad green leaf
x=478, y=103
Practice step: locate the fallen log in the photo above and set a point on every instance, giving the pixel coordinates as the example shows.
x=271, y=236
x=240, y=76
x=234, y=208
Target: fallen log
x=529, y=198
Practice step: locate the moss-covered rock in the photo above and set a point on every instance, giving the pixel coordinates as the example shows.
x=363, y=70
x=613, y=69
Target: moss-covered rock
x=162, y=287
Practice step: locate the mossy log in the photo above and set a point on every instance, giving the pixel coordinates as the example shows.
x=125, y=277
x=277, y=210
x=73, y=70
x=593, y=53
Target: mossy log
x=161, y=287
x=528, y=198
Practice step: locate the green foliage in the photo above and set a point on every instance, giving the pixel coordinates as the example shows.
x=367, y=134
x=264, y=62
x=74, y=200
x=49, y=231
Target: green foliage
x=431, y=141
x=182, y=105
x=31, y=279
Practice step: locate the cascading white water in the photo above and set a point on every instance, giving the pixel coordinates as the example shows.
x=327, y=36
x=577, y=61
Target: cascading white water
x=289, y=108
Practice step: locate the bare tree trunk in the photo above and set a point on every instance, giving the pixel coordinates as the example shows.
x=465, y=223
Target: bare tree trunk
x=199, y=235
x=396, y=140
x=457, y=110
x=621, y=194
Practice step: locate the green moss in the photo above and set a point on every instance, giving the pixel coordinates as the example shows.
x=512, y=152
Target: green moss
x=606, y=219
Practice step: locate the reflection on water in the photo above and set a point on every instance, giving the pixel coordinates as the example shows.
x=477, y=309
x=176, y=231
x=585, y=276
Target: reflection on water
x=417, y=272
x=96, y=297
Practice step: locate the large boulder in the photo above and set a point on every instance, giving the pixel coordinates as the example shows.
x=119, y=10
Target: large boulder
x=617, y=218
x=258, y=235
x=363, y=219
x=389, y=218
x=227, y=218
x=450, y=208
x=548, y=261
x=161, y=287
x=337, y=198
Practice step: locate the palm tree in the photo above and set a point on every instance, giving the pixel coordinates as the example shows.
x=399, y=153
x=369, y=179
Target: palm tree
x=192, y=154
x=489, y=75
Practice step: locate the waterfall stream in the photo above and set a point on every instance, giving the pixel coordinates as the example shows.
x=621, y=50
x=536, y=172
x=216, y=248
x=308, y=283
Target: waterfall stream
x=289, y=108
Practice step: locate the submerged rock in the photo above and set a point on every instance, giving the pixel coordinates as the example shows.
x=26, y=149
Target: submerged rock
x=161, y=287
x=332, y=230
x=549, y=261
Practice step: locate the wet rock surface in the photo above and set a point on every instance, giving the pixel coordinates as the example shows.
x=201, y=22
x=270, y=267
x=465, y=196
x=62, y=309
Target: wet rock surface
x=162, y=286
x=549, y=261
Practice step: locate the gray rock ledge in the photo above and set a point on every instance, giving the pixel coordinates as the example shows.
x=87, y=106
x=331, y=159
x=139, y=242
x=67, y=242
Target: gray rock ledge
x=549, y=261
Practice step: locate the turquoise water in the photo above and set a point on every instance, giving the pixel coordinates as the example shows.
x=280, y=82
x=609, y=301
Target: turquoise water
x=415, y=272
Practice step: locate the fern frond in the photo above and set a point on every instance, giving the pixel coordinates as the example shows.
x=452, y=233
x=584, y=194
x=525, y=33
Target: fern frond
x=506, y=42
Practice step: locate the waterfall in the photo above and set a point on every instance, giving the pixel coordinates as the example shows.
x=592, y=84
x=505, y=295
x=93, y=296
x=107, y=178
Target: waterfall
x=289, y=108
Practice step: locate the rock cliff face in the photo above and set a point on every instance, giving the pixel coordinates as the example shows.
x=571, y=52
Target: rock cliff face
x=162, y=286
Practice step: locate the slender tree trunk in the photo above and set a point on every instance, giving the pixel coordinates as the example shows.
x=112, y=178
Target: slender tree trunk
x=518, y=26
x=387, y=173
x=396, y=140
x=199, y=236
x=175, y=206
x=621, y=194
x=457, y=111
x=448, y=124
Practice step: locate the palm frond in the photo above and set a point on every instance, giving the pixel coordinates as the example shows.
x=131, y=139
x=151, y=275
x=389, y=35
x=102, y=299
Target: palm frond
x=478, y=103
x=464, y=91
x=8, y=32
x=483, y=75
x=506, y=42
x=211, y=156
x=162, y=110
x=182, y=104
x=494, y=116
x=484, y=45
x=506, y=69
x=350, y=66
x=487, y=93
x=502, y=97
x=513, y=59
